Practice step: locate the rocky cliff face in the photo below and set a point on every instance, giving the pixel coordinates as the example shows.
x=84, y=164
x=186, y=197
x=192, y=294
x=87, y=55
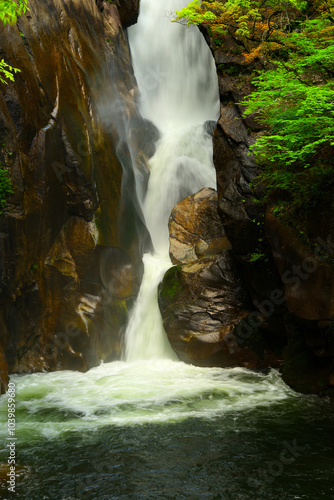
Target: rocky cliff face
x=71, y=235
x=287, y=270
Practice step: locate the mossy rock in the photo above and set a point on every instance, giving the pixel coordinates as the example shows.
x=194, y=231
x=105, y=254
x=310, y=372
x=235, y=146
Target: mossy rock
x=171, y=285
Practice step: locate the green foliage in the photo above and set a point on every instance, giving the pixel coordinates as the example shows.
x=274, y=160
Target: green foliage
x=296, y=98
x=5, y=187
x=7, y=71
x=33, y=268
x=11, y=9
x=9, y=12
x=252, y=22
x=257, y=256
x=171, y=284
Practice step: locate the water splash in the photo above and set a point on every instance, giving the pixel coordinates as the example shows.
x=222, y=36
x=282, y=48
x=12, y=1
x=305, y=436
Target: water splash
x=129, y=393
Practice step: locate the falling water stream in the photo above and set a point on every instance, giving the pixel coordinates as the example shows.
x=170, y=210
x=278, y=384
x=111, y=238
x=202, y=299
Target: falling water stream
x=150, y=426
x=179, y=93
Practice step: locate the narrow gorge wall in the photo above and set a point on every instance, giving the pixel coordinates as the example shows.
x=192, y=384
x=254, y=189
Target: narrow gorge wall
x=71, y=234
x=267, y=302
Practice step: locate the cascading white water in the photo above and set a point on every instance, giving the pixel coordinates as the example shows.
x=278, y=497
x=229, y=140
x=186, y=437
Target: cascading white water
x=179, y=92
x=173, y=66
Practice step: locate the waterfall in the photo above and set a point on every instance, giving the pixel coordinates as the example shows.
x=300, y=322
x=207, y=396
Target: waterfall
x=149, y=427
x=177, y=80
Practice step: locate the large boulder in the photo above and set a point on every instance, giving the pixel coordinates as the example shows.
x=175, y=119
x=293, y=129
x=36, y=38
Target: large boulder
x=202, y=306
x=203, y=302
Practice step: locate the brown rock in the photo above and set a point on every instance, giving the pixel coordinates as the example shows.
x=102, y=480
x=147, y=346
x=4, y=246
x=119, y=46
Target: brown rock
x=4, y=379
x=235, y=170
x=61, y=123
x=20, y=472
x=128, y=11
x=195, y=229
x=201, y=305
x=331, y=379
x=308, y=280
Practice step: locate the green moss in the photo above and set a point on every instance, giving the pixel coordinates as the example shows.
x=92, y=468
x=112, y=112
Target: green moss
x=171, y=284
x=257, y=256
x=33, y=268
x=118, y=314
x=5, y=187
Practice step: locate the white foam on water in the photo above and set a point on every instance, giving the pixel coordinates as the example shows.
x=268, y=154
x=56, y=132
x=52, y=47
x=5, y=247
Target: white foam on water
x=129, y=393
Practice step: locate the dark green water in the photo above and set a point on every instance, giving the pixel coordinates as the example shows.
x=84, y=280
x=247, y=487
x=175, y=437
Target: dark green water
x=278, y=446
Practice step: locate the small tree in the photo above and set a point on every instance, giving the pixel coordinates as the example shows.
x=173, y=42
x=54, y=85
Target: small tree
x=9, y=12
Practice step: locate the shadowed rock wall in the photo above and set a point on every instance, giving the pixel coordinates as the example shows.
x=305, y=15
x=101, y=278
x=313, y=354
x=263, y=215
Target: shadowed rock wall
x=72, y=234
x=203, y=301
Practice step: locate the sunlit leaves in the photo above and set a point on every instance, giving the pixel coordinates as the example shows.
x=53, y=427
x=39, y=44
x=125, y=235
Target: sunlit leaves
x=296, y=98
x=7, y=71
x=5, y=187
x=11, y=9
x=253, y=23
x=294, y=42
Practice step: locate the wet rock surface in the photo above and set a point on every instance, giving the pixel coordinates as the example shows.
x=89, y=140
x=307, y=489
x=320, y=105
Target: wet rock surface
x=202, y=305
x=202, y=300
x=290, y=286
x=195, y=229
x=65, y=135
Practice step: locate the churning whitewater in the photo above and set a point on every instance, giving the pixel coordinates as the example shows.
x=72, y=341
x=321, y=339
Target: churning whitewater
x=178, y=84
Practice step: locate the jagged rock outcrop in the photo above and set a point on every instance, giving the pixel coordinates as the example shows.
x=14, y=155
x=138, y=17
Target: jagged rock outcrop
x=72, y=234
x=202, y=300
x=202, y=304
x=128, y=11
x=242, y=216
